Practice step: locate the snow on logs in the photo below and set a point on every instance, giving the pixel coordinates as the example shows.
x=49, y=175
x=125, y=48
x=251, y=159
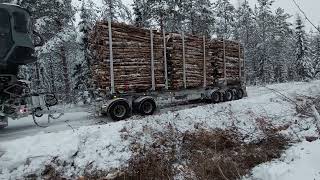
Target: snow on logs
x=132, y=59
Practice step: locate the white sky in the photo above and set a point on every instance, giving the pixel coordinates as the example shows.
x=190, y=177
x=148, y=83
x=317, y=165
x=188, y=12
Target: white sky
x=311, y=7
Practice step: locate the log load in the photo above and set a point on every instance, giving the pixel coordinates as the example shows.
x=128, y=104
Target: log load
x=187, y=62
x=131, y=57
x=193, y=58
x=226, y=59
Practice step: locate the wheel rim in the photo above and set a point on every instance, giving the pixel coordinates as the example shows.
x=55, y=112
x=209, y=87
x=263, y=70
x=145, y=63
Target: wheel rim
x=147, y=107
x=38, y=112
x=229, y=95
x=119, y=111
x=216, y=97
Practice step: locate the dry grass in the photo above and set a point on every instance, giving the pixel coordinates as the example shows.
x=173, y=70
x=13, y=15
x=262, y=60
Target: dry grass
x=205, y=154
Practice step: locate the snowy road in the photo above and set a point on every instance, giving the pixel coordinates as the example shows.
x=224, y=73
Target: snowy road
x=74, y=118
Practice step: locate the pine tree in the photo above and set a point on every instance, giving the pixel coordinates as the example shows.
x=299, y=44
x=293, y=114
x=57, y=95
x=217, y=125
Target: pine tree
x=279, y=57
x=82, y=73
x=245, y=33
x=225, y=18
x=116, y=11
x=302, y=65
x=198, y=16
x=245, y=23
x=315, y=53
x=264, y=19
x=142, y=13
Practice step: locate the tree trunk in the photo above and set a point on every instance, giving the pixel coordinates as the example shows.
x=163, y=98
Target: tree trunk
x=64, y=63
x=65, y=73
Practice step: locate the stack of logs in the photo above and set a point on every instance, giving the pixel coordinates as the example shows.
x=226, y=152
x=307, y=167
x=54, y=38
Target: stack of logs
x=193, y=58
x=231, y=53
x=132, y=59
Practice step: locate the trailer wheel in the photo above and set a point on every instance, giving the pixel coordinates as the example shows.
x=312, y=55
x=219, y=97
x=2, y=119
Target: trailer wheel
x=240, y=93
x=215, y=97
x=147, y=107
x=228, y=95
x=119, y=110
x=3, y=122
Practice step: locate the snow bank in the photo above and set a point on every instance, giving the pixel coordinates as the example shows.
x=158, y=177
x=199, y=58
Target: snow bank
x=299, y=162
x=103, y=148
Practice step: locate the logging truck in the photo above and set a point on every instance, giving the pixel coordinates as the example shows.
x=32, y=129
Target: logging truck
x=138, y=70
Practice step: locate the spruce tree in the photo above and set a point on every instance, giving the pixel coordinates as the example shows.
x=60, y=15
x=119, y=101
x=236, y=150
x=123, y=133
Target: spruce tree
x=279, y=58
x=302, y=64
x=82, y=73
x=116, y=11
x=315, y=53
x=264, y=19
x=225, y=18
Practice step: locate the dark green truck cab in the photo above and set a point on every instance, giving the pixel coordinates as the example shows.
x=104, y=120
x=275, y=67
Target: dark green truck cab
x=16, y=44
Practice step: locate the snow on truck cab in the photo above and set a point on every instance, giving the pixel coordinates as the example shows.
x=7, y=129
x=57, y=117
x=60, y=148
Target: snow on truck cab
x=17, y=47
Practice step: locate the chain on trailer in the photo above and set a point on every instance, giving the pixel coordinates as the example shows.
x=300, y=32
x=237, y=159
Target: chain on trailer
x=18, y=102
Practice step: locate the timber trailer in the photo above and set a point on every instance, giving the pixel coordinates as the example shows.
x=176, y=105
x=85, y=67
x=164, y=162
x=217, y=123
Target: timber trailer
x=122, y=105
x=17, y=47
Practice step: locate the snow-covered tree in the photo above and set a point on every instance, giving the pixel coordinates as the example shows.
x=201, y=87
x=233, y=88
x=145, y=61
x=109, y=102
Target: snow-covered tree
x=52, y=20
x=264, y=19
x=303, y=64
x=116, y=10
x=225, y=18
x=315, y=53
x=82, y=73
x=142, y=13
x=198, y=17
x=279, y=51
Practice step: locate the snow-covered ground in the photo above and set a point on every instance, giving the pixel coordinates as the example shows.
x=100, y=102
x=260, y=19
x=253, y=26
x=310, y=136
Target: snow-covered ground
x=102, y=146
x=74, y=118
x=299, y=162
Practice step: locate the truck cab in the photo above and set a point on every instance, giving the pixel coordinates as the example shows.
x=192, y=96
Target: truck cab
x=16, y=48
x=16, y=44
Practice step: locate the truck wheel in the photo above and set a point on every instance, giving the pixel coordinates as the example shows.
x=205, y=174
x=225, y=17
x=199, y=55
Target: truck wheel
x=240, y=93
x=3, y=122
x=215, y=97
x=119, y=110
x=147, y=107
x=228, y=95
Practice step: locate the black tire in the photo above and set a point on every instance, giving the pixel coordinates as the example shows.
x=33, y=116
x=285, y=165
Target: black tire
x=50, y=100
x=216, y=97
x=228, y=95
x=3, y=122
x=37, y=112
x=239, y=93
x=147, y=107
x=119, y=110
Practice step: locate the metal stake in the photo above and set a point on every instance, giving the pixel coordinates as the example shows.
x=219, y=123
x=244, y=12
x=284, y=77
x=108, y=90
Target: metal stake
x=224, y=61
x=204, y=63
x=184, y=61
x=111, y=58
x=165, y=60
x=152, y=62
x=240, y=62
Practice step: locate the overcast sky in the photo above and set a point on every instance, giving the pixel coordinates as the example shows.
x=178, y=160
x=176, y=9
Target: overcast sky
x=311, y=7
